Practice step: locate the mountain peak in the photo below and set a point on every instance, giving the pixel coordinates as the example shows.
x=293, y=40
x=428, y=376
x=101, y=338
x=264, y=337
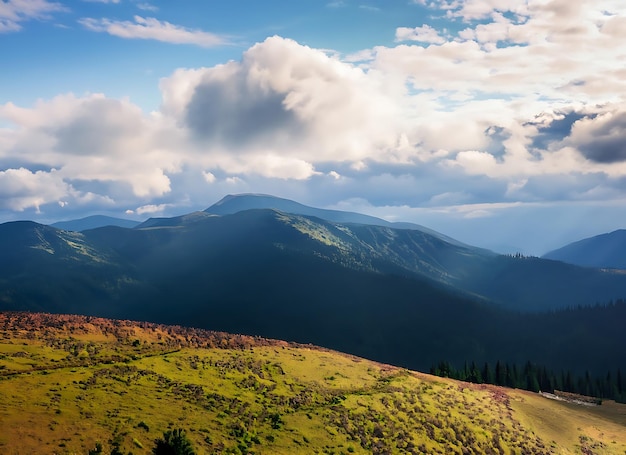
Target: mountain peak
x=234, y=203
x=230, y=197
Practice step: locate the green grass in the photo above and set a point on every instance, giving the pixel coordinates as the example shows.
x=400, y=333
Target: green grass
x=78, y=381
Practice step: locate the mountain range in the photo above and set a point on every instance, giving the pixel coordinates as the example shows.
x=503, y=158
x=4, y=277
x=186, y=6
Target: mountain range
x=93, y=222
x=401, y=295
x=606, y=251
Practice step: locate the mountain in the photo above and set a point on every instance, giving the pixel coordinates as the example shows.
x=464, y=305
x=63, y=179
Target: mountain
x=174, y=221
x=93, y=222
x=393, y=295
x=607, y=251
x=519, y=283
x=44, y=268
x=71, y=383
x=234, y=203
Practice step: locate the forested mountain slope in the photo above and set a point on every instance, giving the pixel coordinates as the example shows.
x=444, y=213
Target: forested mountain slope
x=391, y=295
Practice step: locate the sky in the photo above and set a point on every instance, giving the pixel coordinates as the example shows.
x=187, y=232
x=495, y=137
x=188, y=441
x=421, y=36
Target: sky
x=501, y=123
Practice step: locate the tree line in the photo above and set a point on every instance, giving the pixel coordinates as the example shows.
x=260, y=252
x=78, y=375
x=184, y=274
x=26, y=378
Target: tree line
x=535, y=378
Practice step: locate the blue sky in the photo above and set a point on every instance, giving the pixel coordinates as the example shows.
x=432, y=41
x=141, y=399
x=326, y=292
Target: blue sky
x=501, y=123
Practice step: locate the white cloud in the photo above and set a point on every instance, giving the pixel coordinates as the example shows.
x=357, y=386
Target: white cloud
x=208, y=176
x=153, y=29
x=274, y=166
x=424, y=34
x=512, y=62
x=234, y=180
x=478, y=214
x=147, y=7
x=288, y=100
x=520, y=48
x=149, y=209
x=476, y=162
x=602, y=137
x=14, y=12
x=21, y=188
x=515, y=186
x=93, y=139
x=292, y=113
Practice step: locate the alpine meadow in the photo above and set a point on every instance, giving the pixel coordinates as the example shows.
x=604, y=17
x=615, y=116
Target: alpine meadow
x=315, y=227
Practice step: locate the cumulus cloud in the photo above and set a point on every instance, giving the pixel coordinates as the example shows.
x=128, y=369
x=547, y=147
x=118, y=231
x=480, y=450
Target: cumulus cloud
x=289, y=100
x=424, y=34
x=22, y=188
x=229, y=108
x=98, y=126
x=149, y=209
x=277, y=114
x=91, y=139
x=153, y=29
x=601, y=138
x=208, y=176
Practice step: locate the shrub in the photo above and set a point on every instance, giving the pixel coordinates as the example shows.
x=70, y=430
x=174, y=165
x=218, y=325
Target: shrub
x=173, y=442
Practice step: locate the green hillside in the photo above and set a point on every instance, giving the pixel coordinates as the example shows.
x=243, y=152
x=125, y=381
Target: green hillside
x=69, y=382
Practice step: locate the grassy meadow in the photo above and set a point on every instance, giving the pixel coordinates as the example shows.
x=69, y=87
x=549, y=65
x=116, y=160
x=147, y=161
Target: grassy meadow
x=68, y=382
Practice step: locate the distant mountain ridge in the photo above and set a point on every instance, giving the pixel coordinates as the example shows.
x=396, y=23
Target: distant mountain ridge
x=606, y=251
x=234, y=203
x=93, y=222
x=180, y=220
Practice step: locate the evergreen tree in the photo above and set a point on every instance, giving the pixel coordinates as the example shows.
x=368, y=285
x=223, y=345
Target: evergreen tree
x=475, y=374
x=173, y=442
x=500, y=374
x=546, y=383
x=488, y=375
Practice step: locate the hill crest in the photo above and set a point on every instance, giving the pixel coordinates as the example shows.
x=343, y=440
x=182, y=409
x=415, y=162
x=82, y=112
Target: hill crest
x=70, y=382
